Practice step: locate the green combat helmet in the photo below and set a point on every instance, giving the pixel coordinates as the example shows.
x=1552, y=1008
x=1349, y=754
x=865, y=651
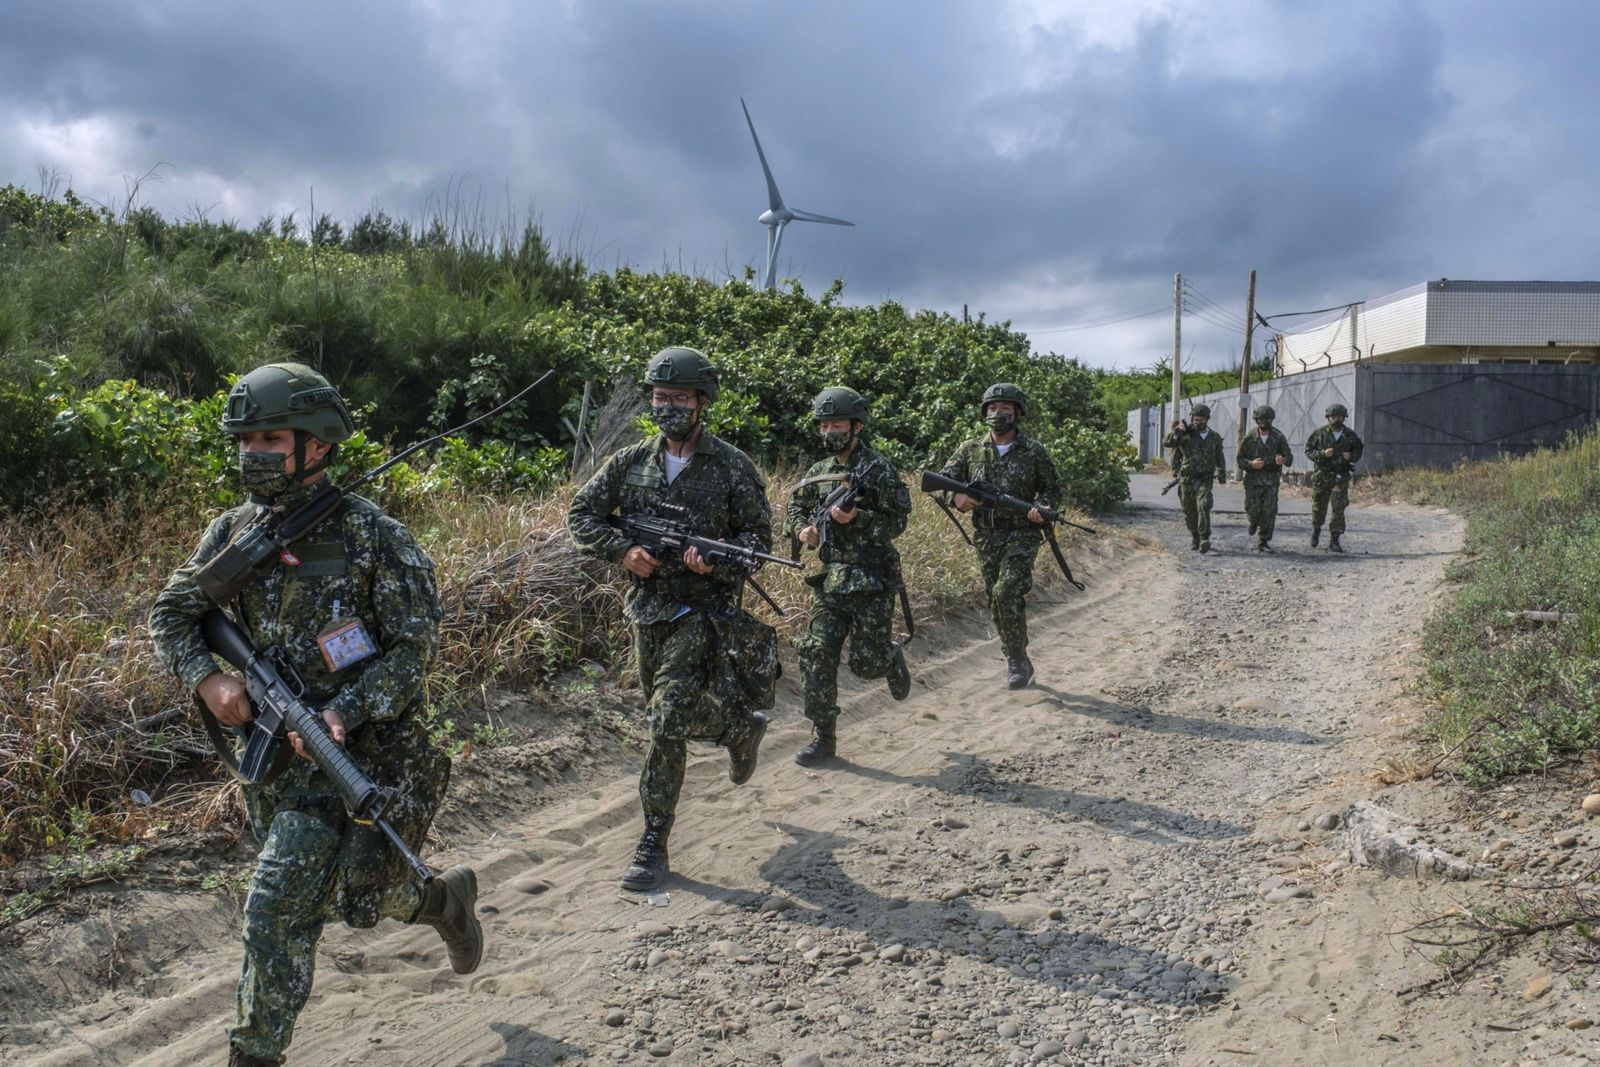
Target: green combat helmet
x=839, y=402
x=683, y=368
x=1264, y=413
x=1005, y=391
x=1200, y=411
x=1336, y=409
x=287, y=396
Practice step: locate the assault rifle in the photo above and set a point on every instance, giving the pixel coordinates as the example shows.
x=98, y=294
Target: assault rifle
x=990, y=497
x=659, y=536
x=269, y=534
x=1165, y=489
x=277, y=696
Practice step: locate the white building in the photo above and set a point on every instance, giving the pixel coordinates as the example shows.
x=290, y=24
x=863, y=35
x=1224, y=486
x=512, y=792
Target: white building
x=1450, y=321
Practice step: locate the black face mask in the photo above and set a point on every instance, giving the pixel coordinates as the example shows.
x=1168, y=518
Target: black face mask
x=676, y=422
x=1001, y=422
x=835, y=441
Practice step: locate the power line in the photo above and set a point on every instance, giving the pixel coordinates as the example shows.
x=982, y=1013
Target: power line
x=1166, y=310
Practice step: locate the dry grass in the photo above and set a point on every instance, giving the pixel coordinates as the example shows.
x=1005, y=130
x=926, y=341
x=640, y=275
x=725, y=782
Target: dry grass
x=98, y=742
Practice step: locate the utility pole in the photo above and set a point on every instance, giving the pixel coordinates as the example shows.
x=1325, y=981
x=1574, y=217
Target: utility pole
x=1177, y=341
x=1244, y=364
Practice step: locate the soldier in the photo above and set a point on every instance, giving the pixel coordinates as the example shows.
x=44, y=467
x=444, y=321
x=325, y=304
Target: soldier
x=1200, y=459
x=1007, y=541
x=854, y=595
x=1334, y=450
x=680, y=607
x=1263, y=456
x=356, y=567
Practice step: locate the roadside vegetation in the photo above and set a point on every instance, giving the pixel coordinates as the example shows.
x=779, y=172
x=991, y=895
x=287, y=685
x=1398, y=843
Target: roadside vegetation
x=1517, y=692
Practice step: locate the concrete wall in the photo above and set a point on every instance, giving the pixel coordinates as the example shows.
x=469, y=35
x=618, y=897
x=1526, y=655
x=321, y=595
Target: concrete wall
x=1411, y=414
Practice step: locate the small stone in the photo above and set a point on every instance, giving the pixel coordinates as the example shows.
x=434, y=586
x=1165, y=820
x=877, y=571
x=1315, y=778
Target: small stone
x=1537, y=987
x=954, y=822
x=954, y=892
x=652, y=929
x=1328, y=820
x=803, y=1059
x=1054, y=913
x=530, y=885
x=1578, y=1024
x=1045, y=1049
x=893, y=953
x=939, y=1037
x=662, y=1048
x=1077, y=1039
x=656, y=958
x=1008, y=1029
x=1591, y=804
x=725, y=948
x=615, y=1017
x=1054, y=859
x=804, y=942
x=1566, y=839
x=773, y=905
x=1285, y=893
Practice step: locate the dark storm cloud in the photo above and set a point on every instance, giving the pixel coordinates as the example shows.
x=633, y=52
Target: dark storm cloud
x=998, y=155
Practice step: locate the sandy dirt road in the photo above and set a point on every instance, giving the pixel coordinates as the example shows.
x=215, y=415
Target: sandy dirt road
x=1112, y=866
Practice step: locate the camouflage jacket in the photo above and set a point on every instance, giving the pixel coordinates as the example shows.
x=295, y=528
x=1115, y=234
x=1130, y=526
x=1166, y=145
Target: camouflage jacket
x=356, y=564
x=720, y=494
x=1026, y=471
x=860, y=555
x=1337, y=466
x=1252, y=447
x=1199, y=459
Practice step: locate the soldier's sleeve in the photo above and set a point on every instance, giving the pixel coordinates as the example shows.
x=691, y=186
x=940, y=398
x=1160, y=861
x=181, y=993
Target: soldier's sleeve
x=1288, y=453
x=1311, y=446
x=749, y=513
x=797, y=516
x=1220, y=459
x=405, y=624
x=175, y=618
x=1047, y=480
x=1171, y=440
x=1242, y=457
x=886, y=506
x=1357, y=446
x=959, y=467
x=593, y=504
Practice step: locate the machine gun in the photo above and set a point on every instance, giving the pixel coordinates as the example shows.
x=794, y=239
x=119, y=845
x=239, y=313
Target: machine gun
x=660, y=535
x=268, y=534
x=1165, y=489
x=990, y=497
x=277, y=695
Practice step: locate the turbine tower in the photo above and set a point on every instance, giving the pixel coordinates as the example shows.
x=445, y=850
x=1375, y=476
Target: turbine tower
x=778, y=215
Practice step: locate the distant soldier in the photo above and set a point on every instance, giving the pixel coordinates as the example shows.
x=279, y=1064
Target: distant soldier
x=1200, y=458
x=1007, y=540
x=1334, y=450
x=357, y=571
x=1263, y=456
x=681, y=607
x=855, y=594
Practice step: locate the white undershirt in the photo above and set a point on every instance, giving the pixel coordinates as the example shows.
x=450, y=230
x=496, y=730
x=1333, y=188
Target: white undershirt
x=1003, y=449
x=675, y=465
x=1338, y=434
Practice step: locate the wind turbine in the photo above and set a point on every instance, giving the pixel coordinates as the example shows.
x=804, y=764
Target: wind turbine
x=778, y=215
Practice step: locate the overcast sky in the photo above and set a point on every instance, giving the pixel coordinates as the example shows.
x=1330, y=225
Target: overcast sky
x=1051, y=162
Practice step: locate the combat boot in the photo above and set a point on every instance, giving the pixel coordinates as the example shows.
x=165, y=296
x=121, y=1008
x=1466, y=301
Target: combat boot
x=244, y=1059
x=649, y=867
x=1263, y=546
x=899, y=674
x=742, y=756
x=1019, y=671
x=1334, y=545
x=450, y=906
x=1316, y=536
x=824, y=743
x=1205, y=546
x=1194, y=542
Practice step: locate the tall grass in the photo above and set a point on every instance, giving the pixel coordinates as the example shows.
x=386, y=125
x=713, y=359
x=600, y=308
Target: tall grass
x=89, y=719
x=1514, y=695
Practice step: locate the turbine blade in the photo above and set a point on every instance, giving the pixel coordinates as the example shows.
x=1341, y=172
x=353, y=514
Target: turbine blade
x=772, y=256
x=774, y=198
x=810, y=216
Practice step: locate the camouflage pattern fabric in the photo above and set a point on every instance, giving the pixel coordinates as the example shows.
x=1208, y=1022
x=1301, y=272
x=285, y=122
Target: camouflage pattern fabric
x=1261, y=486
x=315, y=864
x=854, y=595
x=1200, y=460
x=683, y=622
x=1006, y=541
x=1330, y=475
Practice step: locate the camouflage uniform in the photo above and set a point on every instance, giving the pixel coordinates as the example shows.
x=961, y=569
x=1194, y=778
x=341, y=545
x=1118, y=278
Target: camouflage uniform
x=681, y=620
x=316, y=864
x=855, y=593
x=1261, y=486
x=1330, y=478
x=1007, y=541
x=1199, y=461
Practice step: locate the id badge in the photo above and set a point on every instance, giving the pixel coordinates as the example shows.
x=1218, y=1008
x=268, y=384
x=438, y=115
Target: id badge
x=345, y=643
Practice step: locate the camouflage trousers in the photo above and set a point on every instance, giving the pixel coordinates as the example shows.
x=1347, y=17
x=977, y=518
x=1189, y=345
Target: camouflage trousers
x=677, y=669
x=1326, y=489
x=867, y=619
x=1261, y=506
x=1008, y=579
x=1195, y=496
x=295, y=890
